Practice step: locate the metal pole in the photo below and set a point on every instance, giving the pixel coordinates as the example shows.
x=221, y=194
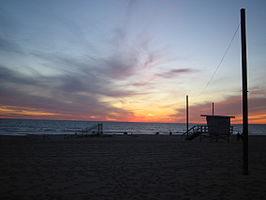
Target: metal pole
x=212, y=108
x=187, y=112
x=244, y=91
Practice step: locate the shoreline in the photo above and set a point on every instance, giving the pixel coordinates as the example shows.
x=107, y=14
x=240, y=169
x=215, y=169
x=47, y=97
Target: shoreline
x=110, y=135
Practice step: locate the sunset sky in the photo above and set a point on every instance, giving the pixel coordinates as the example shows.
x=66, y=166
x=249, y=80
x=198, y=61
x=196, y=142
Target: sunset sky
x=129, y=60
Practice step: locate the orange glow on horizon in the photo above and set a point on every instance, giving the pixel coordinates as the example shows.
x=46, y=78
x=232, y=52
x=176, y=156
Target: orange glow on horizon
x=144, y=116
x=252, y=119
x=13, y=110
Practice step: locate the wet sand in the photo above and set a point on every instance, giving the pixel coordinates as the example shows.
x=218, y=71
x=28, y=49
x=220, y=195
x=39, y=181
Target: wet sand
x=129, y=167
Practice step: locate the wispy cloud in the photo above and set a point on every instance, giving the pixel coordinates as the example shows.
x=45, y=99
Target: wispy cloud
x=82, y=80
x=67, y=94
x=9, y=29
x=175, y=72
x=9, y=46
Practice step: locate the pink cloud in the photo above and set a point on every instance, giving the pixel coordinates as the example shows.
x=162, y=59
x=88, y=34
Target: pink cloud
x=175, y=72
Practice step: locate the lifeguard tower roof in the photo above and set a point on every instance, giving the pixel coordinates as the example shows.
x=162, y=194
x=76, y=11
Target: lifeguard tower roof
x=218, y=116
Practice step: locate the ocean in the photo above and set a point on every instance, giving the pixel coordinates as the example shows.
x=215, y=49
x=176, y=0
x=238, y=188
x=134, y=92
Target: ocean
x=30, y=126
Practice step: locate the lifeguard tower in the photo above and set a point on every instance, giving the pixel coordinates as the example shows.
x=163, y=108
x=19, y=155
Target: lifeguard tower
x=218, y=127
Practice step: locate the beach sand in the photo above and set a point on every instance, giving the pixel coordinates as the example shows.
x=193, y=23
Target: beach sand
x=130, y=167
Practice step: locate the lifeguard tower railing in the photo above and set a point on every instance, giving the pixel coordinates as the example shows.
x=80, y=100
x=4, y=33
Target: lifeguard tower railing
x=96, y=129
x=202, y=130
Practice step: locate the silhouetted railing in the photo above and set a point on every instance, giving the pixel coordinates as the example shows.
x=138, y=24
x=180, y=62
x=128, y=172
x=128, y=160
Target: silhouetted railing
x=196, y=130
x=93, y=130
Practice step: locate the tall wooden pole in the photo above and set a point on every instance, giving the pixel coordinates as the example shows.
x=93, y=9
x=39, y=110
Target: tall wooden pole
x=187, y=112
x=244, y=91
x=212, y=108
